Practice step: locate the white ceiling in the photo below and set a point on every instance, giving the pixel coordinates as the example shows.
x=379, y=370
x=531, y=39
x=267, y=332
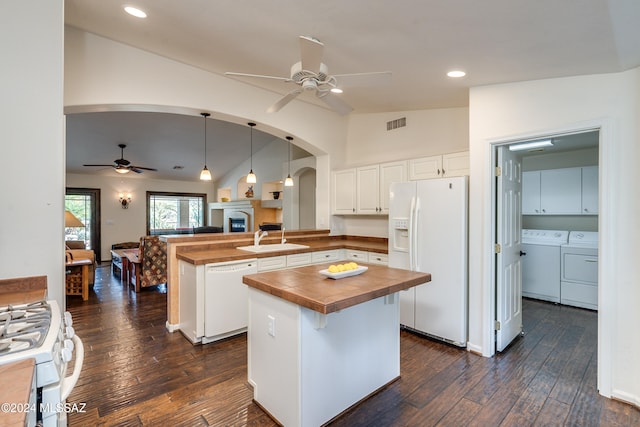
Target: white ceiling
x=494, y=41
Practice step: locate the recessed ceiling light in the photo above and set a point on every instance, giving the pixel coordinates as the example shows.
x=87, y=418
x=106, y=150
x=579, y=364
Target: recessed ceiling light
x=336, y=90
x=135, y=12
x=456, y=73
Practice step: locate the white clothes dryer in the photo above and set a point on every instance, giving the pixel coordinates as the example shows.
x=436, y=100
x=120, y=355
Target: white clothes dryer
x=541, y=263
x=579, y=282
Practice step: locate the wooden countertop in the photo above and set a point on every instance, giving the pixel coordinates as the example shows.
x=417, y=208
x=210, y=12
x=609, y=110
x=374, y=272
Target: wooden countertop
x=308, y=288
x=20, y=376
x=208, y=256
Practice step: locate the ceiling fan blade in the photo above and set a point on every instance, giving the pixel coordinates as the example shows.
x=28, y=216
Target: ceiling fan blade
x=134, y=169
x=143, y=168
x=103, y=166
x=382, y=78
x=336, y=104
x=311, y=51
x=284, y=101
x=260, y=76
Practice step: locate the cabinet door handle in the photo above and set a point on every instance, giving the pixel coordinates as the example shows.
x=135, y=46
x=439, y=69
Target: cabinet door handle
x=523, y=253
x=590, y=260
x=438, y=171
x=442, y=171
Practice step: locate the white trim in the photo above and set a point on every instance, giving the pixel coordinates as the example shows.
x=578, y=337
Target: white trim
x=607, y=254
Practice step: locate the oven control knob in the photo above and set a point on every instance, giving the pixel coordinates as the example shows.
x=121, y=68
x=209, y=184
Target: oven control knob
x=68, y=320
x=69, y=331
x=68, y=344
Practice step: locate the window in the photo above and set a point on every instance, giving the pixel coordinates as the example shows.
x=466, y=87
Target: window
x=84, y=204
x=174, y=213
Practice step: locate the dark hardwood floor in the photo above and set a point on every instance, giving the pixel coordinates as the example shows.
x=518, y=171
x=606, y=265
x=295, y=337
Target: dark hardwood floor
x=137, y=374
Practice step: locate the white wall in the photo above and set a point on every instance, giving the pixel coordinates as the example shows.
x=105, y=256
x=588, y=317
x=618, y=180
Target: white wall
x=520, y=110
x=32, y=175
x=128, y=225
x=428, y=132
x=103, y=74
x=267, y=165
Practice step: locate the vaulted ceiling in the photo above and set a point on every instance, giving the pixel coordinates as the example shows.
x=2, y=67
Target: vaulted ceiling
x=418, y=41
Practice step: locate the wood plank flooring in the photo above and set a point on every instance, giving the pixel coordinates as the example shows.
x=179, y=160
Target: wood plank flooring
x=137, y=374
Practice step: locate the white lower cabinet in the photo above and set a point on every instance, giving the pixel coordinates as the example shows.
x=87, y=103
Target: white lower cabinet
x=272, y=263
x=377, y=258
x=327, y=256
x=356, y=255
x=298, y=260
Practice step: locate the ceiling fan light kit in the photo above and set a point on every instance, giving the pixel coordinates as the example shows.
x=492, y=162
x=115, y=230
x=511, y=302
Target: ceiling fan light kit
x=312, y=75
x=205, y=175
x=251, y=177
x=123, y=165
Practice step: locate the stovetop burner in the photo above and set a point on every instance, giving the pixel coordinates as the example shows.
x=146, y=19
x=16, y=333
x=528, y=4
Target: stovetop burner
x=23, y=326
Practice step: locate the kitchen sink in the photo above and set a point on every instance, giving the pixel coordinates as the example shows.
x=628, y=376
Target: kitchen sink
x=271, y=247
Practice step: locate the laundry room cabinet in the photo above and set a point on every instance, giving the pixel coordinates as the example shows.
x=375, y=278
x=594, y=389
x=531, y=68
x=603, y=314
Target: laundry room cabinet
x=567, y=191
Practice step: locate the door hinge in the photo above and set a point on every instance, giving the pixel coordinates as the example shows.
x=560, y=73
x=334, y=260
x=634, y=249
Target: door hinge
x=497, y=325
x=497, y=248
x=498, y=171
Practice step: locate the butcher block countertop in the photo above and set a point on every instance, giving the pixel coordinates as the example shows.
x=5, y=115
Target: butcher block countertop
x=20, y=376
x=227, y=252
x=307, y=287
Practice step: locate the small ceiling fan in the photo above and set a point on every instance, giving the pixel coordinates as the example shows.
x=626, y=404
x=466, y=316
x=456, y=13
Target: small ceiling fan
x=311, y=74
x=123, y=165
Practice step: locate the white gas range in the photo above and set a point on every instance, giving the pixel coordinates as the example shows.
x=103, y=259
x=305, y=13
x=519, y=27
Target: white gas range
x=38, y=330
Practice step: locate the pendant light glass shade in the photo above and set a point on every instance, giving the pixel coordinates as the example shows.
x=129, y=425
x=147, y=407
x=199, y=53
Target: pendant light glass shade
x=251, y=177
x=288, y=182
x=205, y=175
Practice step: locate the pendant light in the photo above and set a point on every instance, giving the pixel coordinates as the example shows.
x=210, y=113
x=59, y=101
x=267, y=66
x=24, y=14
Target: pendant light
x=205, y=175
x=288, y=182
x=251, y=178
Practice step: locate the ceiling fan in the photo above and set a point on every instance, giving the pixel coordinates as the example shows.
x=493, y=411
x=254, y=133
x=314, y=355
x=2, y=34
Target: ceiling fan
x=311, y=74
x=123, y=165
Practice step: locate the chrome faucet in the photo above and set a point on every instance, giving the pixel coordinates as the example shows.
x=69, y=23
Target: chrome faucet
x=257, y=236
x=283, y=241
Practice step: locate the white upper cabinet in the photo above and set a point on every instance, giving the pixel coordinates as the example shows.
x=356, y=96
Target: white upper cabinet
x=561, y=191
x=390, y=172
x=531, y=193
x=425, y=168
x=452, y=164
x=590, y=190
x=568, y=191
x=344, y=192
x=365, y=190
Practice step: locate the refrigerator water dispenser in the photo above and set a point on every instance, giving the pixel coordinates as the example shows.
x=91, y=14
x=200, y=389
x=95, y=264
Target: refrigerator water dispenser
x=400, y=237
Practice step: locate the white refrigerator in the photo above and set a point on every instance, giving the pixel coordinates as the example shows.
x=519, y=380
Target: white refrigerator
x=428, y=233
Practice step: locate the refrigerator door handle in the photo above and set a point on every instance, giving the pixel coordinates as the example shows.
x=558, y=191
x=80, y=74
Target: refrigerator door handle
x=412, y=249
x=414, y=227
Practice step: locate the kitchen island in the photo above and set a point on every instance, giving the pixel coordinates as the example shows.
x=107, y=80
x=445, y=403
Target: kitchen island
x=317, y=346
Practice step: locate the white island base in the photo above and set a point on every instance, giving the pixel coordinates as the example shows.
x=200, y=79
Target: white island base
x=306, y=367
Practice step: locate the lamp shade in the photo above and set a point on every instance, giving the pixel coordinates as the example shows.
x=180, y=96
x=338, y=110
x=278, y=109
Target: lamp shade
x=70, y=220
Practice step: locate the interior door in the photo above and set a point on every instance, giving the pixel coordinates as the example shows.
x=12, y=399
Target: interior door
x=508, y=262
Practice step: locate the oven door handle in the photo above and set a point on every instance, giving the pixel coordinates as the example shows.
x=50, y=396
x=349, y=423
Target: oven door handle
x=68, y=383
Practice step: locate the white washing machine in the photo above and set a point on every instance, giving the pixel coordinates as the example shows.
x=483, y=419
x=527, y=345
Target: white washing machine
x=579, y=281
x=541, y=263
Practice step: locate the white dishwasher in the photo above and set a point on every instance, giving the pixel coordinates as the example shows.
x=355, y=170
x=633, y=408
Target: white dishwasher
x=226, y=298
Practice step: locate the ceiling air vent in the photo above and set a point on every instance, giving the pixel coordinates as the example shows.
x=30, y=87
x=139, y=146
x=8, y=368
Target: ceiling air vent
x=397, y=123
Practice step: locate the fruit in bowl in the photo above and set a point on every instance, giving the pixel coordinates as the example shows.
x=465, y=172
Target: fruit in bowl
x=339, y=268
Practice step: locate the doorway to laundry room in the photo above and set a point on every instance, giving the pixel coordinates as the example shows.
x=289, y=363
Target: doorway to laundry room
x=546, y=228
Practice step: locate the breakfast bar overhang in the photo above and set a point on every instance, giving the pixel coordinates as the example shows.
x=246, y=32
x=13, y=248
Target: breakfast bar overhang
x=317, y=346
